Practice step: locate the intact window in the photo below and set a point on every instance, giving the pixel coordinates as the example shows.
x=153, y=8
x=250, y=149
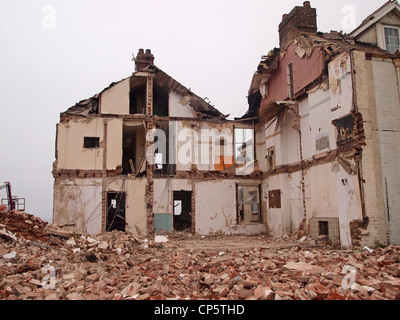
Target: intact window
x=392, y=38
x=91, y=142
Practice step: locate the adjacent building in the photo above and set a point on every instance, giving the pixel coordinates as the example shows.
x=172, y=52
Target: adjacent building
x=315, y=153
x=329, y=115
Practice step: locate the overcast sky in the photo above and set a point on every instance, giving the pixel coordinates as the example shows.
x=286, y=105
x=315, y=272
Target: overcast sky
x=56, y=53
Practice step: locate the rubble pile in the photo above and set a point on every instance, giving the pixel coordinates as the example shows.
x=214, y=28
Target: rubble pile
x=117, y=266
x=24, y=225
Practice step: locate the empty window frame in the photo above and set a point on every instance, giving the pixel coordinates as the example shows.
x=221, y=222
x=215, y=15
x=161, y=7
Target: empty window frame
x=134, y=149
x=392, y=38
x=244, y=144
x=290, y=80
x=91, y=142
x=248, y=201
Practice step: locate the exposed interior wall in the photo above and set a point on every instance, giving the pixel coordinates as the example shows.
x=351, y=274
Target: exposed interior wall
x=133, y=146
x=305, y=71
x=78, y=202
x=179, y=106
x=198, y=144
x=70, y=138
x=115, y=100
x=215, y=207
x=320, y=191
x=371, y=159
x=340, y=86
x=286, y=217
x=388, y=117
x=349, y=204
x=261, y=147
x=114, y=143
x=317, y=132
x=135, y=211
x=290, y=142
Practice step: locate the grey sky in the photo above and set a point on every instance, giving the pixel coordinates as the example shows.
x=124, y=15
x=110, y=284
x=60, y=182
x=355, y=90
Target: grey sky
x=212, y=47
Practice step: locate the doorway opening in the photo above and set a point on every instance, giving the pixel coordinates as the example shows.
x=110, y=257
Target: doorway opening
x=182, y=210
x=134, y=149
x=116, y=211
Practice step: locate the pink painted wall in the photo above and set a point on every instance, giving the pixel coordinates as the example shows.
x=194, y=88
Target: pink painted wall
x=305, y=71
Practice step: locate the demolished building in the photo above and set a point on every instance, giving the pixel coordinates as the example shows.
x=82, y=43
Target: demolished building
x=148, y=155
x=316, y=150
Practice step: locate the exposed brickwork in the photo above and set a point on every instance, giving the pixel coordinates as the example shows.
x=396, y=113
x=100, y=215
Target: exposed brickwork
x=300, y=19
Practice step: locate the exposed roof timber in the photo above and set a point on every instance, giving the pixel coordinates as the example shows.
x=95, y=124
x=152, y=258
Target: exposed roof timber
x=376, y=16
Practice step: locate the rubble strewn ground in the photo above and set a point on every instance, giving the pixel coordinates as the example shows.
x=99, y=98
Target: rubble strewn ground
x=41, y=261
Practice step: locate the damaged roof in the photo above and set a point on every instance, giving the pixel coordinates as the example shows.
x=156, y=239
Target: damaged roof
x=200, y=106
x=333, y=44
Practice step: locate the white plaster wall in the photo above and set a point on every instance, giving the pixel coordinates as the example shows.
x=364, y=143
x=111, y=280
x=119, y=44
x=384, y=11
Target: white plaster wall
x=318, y=124
x=321, y=191
x=70, y=151
x=388, y=115
x=215, y=207
x=179, y=106
x=341, y=86
x=349, y=204
x=79, y=201
x=115, y=100
x=114, y=143
x=287, y=219
x=296, y=200
x=290, y=142
x=181, y=185
x=275, y=218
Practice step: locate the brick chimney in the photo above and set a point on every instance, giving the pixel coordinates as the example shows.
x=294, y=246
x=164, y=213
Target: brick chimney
x=143, y=59
x=300, y=19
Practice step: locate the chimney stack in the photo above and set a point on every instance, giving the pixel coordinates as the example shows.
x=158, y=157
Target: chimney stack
x=144, y=59
x=300, y=19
